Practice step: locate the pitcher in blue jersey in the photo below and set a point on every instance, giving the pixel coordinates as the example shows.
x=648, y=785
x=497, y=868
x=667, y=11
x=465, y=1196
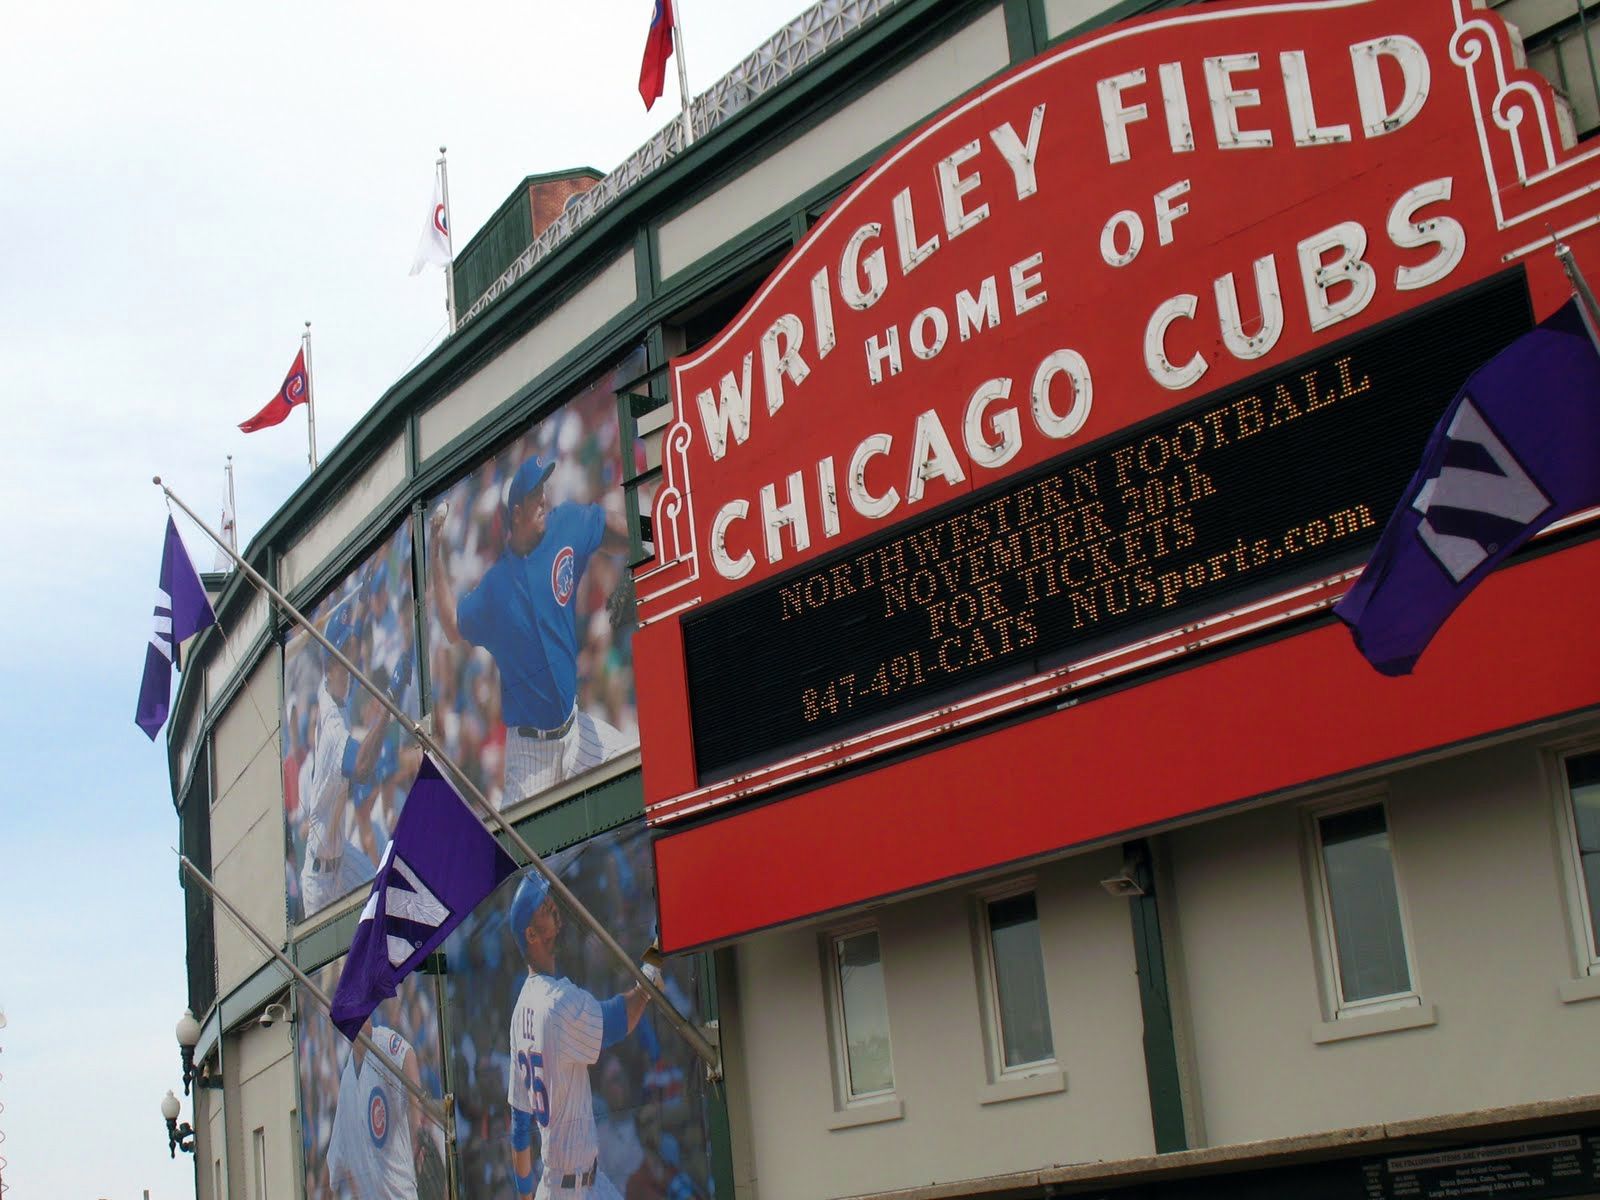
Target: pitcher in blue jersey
x=524, y=613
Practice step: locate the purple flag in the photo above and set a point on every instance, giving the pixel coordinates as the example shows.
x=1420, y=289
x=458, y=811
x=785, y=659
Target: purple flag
x=182, y=611
x=1518, y=449
x=440, y=865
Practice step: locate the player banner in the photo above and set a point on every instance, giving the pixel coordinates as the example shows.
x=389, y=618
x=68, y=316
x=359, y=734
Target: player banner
x=361, y=1134
x=530, y=617
x=346, y=765
x=602, y=1094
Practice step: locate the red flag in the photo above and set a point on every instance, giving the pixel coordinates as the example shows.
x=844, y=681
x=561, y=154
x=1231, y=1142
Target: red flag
x=294, y=391
x=657, y=49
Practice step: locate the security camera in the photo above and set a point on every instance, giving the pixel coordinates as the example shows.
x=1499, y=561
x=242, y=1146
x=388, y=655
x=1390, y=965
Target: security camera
x=271, y=1013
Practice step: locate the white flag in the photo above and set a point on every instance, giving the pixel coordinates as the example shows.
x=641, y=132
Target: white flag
x=433, y=248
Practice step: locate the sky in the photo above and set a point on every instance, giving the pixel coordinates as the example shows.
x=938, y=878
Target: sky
x=185, y=185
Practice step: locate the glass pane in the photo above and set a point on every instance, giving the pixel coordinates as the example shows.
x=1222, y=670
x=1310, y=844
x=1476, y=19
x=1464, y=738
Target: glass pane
x=866, y=1013
x=1366, y=906
x=1583, y=780
x=1024, y=1010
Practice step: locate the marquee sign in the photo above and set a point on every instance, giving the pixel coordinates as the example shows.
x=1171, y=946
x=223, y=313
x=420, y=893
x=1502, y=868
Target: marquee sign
x=1127, y=354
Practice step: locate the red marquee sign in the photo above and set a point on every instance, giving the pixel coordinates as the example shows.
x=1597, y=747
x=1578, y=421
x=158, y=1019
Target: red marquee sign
x=1135, y=222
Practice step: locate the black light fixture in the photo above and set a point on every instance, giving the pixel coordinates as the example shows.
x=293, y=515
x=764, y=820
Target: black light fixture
x=179, y=1137
x=188, y=1034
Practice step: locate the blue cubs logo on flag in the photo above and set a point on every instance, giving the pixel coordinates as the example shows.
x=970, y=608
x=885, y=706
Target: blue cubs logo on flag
x=294, y=387
x=378, y=1117
x=562, y=576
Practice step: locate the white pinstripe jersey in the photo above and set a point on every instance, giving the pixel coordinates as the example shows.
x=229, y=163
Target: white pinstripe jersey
x=327, y=775
x=555, y=1038
x=369, y=1153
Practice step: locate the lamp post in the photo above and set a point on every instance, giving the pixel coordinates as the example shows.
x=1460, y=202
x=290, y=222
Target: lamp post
x=188, y=1035
x=179, y=1137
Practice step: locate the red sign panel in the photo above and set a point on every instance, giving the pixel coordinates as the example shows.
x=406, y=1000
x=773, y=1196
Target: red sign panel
x=1077, y=292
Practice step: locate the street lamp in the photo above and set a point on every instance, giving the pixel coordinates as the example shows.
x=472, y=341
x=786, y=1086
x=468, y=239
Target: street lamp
x=188, y=1034
x=179, y=1137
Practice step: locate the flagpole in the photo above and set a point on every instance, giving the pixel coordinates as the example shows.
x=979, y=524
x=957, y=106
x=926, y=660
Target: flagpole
x=677, y=1020
x=1580, y=286
x=311, y=398
x=429, y=1104
x=233, y=510
x=449, y=242
x=683, y=72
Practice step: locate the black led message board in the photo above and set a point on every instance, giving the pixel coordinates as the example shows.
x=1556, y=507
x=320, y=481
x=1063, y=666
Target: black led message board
x=1285, y=477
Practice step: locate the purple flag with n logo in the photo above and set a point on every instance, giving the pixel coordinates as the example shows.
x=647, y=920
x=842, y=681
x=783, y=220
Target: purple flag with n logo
x=182, y=611
x=441, y=864
x=1518, y=449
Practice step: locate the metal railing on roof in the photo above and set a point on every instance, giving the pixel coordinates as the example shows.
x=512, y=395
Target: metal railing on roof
x=799, y=43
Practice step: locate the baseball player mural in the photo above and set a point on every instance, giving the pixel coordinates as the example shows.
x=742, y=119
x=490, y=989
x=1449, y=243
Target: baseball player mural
x=530, y=614
x=571, y=1083
x=348, y=762
x=363, y=1137
x=557, y=1033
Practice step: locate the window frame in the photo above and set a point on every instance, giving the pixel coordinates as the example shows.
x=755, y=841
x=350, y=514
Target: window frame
x=1585, y=937
x=258, y=1145
x=1337, y=1007
x=839, y=1034
x=989, y=984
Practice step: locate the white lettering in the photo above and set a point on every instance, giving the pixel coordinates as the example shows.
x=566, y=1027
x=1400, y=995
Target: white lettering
x=1071, y=364
x=1027, y=284
x=953, y=186
x=785, y=363
x=863, y=501
x=1019, y=155
x=912, y=253
x=1161, y=368
x=931, y=455
x=729, y=412
x=1227, y=100
x=1408, y=233
x=1377, y=118
x=730, y=568
x=1302, y=108
x=1006, y=426
x=1115, y=116
x=775, y=517
x=1348, y=242
x=1239, y=344
x=857, y=295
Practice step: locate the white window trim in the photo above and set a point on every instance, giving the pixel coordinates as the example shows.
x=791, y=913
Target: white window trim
x=1586, y=960
x=837, y=1033
x=1327, y=936
x=989, y=986
x=258, y=1144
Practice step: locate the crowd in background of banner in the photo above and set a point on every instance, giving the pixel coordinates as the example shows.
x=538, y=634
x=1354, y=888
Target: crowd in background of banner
x=376, y=609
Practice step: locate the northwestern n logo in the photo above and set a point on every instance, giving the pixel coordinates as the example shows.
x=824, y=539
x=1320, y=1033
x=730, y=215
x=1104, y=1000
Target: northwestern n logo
x=411, y=911
x=161, y=637
x=1480, y=499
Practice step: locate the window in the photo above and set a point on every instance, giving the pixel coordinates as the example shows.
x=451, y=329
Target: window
x=1014, y=965
x=259, y=1145
x=861, y=1007
x=1582, y=775
x=1363, y=925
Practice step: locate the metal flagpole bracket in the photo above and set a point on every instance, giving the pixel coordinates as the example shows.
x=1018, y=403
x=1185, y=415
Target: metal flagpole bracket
x=1580, y=287
x=669, y=1012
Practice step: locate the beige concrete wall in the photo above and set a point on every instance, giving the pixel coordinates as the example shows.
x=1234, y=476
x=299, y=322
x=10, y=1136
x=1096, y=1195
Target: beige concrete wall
x=266, y=1067
x=247, y=822
x=519, y=364
x=354, y=505
x=782, y=1064
x=893, y=106
x=1478, y=862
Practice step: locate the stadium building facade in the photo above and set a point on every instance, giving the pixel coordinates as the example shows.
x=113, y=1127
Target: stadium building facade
x=946, y=467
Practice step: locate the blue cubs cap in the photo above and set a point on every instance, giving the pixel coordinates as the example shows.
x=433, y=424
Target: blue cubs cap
x=669, y=1150
x=340, y=629
x=531, y=893
x=530, y=475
